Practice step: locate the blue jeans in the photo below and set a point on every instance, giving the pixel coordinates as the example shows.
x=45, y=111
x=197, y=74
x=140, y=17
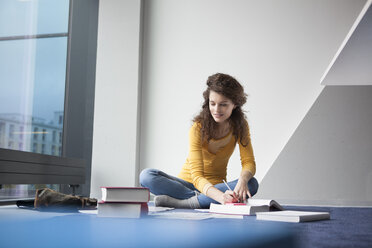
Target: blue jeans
x=161, y=183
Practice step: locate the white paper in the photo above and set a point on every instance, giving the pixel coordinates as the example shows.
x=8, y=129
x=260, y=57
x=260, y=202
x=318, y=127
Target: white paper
x=183, y=215
x=153, y=209
x=94, y=211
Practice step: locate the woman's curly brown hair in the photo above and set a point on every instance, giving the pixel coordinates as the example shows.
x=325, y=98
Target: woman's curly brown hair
x=229, y=87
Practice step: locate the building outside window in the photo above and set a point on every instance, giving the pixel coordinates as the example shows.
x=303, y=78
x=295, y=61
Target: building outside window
x=33, y=48
x=21, y=133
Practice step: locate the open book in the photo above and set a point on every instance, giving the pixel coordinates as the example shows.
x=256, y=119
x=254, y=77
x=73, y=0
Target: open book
x=273, y=205
x=250, y=208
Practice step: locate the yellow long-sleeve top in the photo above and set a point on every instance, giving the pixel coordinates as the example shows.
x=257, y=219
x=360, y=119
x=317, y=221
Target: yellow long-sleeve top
x=204, y=168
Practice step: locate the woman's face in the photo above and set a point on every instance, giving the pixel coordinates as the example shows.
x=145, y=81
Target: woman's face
x=220, y=107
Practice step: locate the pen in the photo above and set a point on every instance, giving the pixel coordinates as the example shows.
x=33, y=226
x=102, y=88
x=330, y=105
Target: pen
x=230, y=189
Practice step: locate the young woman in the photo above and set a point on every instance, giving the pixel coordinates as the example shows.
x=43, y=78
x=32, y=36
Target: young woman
x=212, y=139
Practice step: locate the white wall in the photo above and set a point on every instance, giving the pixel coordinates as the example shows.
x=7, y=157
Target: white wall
x=277, y=49
x=116, y=95
x=332, y=145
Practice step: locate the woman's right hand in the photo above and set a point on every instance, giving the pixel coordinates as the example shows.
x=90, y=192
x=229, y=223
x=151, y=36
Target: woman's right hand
x=229, y=197
x=221, y=197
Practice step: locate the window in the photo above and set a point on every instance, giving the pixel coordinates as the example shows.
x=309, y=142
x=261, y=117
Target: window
x=44, y=133
x=34, y=147
x=2, y=133
x=54, y=137
x=21, y=133
x=2, y=128
x=11, y=131
x=31, y=38
x=36, y=132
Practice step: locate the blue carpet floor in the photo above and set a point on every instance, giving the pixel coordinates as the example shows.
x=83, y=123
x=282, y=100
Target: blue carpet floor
x=348, y=227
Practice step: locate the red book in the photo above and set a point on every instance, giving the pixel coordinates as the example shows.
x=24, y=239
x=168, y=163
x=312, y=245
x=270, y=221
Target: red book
x=125, y=194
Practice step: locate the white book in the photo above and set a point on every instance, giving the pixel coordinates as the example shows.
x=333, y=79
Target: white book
x=292, y=216
x=122, y=210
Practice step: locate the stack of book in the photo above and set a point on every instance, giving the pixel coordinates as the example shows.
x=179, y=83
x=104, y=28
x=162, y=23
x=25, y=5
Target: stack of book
x=125, y=202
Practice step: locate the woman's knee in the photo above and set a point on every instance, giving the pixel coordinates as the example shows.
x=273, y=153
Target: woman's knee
x=146, y=176
x=253, y=186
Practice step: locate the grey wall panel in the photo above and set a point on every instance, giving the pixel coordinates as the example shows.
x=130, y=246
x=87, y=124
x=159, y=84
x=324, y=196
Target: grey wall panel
x=18, y=167
x=80, y=87
x=328, y=160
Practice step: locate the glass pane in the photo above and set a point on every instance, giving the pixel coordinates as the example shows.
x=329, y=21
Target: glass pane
x=32, y=90
x=32, y=81
x=30, y=17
